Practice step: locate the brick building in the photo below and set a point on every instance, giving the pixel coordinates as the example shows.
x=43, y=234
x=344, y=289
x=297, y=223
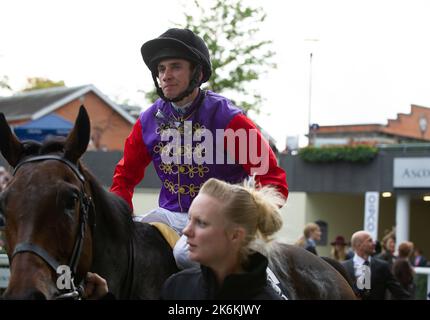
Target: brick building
x=110, y=124
x=406, y=128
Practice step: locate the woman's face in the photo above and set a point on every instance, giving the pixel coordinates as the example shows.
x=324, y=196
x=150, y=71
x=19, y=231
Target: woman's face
x=208, y=234
x=339, y=247
x=316, y=234
x=391, y=245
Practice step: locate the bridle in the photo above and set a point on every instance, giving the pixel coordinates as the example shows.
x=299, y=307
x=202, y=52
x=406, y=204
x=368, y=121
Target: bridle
x=85, y=204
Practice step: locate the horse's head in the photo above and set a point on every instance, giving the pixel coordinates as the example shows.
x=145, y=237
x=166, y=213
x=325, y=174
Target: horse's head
x=46, y=208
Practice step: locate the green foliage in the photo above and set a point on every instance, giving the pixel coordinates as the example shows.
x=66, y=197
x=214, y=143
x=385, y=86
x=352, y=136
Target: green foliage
x=421, y=286
x=359, y=153
x=151, y=95
x=41, y=83
x=230, y=29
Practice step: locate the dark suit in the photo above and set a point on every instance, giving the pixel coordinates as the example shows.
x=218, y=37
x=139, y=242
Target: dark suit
x=420, y=262
x=381, y=279
x=310, y=246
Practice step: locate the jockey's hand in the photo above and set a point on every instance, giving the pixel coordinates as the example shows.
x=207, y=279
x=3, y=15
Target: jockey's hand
x=95, y=287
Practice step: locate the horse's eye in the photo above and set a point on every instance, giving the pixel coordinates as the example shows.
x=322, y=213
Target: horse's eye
x=71, y=201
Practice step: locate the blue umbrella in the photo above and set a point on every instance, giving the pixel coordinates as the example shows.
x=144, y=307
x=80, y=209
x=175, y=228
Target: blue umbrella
x=44, y=127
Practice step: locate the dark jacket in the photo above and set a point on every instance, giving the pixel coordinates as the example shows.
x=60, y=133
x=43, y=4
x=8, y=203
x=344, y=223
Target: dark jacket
x=381, y=278
x=404, y=273
x=388, y=257
x=310, y=246
x=419, y=261
x=201, y=284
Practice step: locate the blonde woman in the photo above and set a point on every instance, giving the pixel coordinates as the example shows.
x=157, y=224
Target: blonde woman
x=338, y=249
x=311, y=234
x=228, y=234
x=226, y=223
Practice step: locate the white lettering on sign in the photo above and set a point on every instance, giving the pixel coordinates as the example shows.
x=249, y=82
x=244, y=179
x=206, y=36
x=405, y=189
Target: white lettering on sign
x=371, y=213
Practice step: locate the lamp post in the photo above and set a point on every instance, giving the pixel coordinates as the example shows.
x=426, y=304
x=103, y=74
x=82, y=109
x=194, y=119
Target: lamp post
x=310, y=140
x=310, y=127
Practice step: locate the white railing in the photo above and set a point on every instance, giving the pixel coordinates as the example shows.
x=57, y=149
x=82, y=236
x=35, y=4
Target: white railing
x=422, y=270
x=4, y=261
x=4, y=271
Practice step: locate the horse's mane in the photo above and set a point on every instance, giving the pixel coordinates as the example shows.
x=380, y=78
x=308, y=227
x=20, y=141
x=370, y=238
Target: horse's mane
x=114, y=211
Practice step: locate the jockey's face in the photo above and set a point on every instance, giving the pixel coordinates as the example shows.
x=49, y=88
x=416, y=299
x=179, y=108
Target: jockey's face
x=175, y=76
x=208, y=234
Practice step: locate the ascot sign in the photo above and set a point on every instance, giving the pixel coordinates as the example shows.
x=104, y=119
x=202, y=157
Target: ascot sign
x=411, y=173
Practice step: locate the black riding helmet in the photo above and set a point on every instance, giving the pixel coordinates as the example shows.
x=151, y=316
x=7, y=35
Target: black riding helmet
x=178, y=43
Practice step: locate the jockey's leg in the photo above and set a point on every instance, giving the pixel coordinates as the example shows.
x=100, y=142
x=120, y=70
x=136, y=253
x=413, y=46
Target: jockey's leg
x=176, y=220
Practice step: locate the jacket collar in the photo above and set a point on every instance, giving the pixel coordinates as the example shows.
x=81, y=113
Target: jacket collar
x=191, y=109
x=240, y=285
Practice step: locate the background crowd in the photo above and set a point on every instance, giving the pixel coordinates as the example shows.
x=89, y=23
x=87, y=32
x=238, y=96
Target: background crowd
x=399, y=264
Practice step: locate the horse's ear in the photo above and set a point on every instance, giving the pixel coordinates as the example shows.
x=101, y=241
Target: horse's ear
x=10, y=147
x=79, y=137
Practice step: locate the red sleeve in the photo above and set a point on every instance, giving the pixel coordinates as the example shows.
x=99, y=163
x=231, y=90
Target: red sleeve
x=130, y=170
x=260, y=158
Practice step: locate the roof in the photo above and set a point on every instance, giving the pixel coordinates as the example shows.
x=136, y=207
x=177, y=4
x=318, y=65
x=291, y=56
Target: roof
x=38, y=103
x=351, y=128
x=413, y=125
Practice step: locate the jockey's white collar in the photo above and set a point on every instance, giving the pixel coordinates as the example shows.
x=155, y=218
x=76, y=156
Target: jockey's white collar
x=182, y=109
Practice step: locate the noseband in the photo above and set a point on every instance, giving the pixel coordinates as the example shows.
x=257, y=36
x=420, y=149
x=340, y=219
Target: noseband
x=85, y=205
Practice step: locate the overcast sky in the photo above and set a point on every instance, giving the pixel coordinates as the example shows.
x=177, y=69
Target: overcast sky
x=371, y=60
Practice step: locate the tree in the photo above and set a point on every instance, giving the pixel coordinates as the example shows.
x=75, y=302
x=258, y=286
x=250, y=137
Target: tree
x=229, y=29
x=4, y=83
x=42, y=83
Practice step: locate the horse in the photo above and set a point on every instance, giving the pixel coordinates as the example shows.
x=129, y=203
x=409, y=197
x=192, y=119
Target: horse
x=305, y=276
x=60, y=223
x=57, y=214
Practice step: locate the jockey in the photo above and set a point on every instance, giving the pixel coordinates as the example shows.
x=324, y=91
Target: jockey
x=179, y=62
